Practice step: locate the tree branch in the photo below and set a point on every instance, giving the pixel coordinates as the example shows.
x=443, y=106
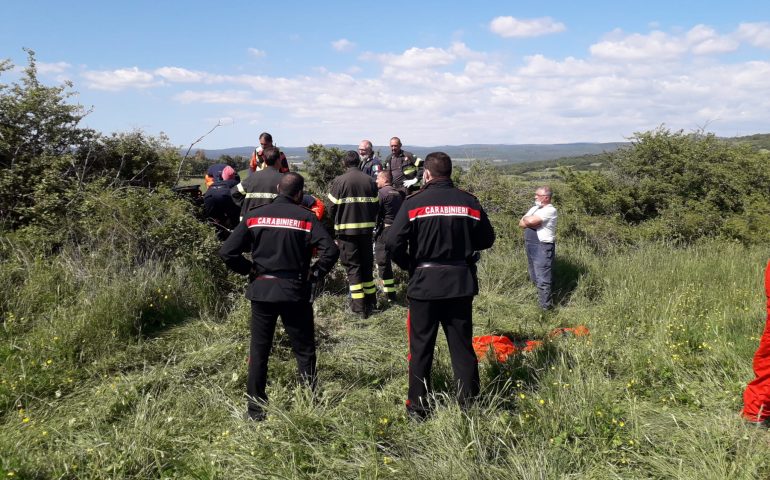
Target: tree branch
x=181, y=162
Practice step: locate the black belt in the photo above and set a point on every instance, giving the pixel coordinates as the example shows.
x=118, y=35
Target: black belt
x=284, y=274
x=443, y=263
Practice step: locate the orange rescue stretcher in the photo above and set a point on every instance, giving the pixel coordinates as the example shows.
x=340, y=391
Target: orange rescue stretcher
x=503, y=347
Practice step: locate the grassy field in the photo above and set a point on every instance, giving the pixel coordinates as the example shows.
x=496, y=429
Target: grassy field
x=114, y=374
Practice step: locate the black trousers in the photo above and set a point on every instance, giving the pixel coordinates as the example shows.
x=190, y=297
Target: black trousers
x=297, y=318
x=357, y=257
x=455, y=317
x=384, y=266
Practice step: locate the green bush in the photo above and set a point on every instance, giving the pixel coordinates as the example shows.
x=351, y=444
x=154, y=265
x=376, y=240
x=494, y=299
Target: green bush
x=323, y=165
x=681, y=187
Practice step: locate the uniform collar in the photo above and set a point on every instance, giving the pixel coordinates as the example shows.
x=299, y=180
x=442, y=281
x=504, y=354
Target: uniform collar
x=281, y=198
x=440, y=183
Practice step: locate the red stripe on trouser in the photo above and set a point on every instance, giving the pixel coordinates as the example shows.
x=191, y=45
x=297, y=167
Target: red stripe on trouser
x=408, y=348
x=756, y=397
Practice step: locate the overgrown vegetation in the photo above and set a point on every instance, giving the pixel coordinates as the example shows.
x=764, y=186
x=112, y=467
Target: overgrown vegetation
x=123, y=343
x=681, y=187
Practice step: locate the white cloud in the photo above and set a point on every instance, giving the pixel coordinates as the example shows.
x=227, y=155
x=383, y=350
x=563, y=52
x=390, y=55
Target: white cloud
x=181, y=75
x=510, y=27
x=756, y=34
x=221, y=97
x=120, y=79
x=343, y=45
x=453, y=94
x=657, y=46
x=704, y=40
x=660, y=46
x=257, y=53
x=417, y=58
x=58, y=67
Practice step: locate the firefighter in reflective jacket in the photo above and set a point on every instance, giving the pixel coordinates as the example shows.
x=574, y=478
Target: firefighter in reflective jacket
x=280, y=237
x=390, y=203
x=260, y=187
x=405, y=167
x=354, y=205
x=436, y=236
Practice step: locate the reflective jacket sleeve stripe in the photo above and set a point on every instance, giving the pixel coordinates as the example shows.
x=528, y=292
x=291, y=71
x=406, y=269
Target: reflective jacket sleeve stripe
x=338, y=201
x=240, y=188
x=352, y=226
x=261, y=195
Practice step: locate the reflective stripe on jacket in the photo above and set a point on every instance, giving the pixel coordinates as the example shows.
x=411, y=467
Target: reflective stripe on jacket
x=354, y=203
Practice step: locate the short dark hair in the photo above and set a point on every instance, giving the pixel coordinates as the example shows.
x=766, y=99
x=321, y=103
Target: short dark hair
x=351, y=158
x=386, y=175
x=291, y=184
x=271, y=156
x=439, y=165
x=266, y=137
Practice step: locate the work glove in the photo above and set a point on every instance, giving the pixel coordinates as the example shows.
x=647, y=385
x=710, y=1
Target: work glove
x=409, y=183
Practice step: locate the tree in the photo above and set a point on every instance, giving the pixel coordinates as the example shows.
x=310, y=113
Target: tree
x=323, y=165
x=681, y=187
x=38, y=132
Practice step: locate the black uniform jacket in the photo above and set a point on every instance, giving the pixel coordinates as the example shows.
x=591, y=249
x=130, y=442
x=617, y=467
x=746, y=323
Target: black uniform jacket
x=219, y=205
x=390, y=203
x=354, y=203
x=281, y=236
x=434, y=237
x=258, y=189
x=372, y=166
x=403, y=166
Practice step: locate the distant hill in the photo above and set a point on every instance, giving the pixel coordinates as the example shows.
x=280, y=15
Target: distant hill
x=498, y=154
x=759, y=140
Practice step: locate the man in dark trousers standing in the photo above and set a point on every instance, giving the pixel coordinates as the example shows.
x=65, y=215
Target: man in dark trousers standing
x=280, y=236
x=539, y=225
x=260, y=187
x=354, y=205
x=436, y=236
x=390, y=203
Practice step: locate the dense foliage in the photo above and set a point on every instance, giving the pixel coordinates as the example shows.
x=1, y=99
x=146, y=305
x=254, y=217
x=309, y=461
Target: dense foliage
x=322, y=166
x=681, y=187
x=196, y=165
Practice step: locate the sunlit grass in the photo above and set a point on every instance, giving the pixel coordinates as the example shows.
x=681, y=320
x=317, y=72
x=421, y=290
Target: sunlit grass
x=142, y=375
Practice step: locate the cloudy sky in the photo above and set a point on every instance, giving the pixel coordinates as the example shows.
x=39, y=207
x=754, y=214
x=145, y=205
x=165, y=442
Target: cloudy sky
x=430, y=72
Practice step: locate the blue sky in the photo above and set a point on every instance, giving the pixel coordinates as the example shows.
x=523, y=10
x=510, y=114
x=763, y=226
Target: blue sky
x=432, y=73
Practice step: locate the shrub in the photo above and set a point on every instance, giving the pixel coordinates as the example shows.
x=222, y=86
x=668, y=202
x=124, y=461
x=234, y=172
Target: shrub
x=681, y=187
x=323, y=165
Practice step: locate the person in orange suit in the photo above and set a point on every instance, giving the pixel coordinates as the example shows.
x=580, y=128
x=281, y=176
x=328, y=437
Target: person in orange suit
x=756, y=397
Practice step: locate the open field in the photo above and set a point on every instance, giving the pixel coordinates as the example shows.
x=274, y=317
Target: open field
x=108, y=376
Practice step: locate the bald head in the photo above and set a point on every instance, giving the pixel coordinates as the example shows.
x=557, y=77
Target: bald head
x=365, y=148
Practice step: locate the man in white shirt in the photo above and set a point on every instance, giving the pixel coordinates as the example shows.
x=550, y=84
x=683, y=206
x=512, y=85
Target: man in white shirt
x=539, y=226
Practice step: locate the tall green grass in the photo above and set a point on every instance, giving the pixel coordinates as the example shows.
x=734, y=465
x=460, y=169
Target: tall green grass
x=147, y=375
